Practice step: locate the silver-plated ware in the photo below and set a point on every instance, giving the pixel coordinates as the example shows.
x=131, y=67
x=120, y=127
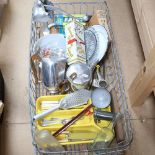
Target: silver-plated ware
x=79, y=75
x=53, y=73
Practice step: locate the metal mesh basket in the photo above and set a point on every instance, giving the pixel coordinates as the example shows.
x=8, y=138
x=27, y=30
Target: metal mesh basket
x=113, y=75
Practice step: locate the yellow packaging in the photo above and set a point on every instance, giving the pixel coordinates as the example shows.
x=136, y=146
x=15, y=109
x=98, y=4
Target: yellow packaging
x=75, y=42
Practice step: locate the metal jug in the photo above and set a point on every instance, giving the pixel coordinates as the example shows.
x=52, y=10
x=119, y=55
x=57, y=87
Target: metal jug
x=53, y=73
x=39, y=13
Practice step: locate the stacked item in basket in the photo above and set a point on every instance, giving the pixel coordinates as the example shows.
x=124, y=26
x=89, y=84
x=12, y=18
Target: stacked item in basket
x=67, y=60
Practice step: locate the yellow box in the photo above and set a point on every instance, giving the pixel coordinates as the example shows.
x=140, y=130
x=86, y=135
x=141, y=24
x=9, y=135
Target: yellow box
x=84, y=125
x=75, y=43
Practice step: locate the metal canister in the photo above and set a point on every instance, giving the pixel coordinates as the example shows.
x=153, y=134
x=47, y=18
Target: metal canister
x=79, y=75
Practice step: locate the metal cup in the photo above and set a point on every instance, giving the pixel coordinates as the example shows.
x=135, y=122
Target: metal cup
x=79, y=75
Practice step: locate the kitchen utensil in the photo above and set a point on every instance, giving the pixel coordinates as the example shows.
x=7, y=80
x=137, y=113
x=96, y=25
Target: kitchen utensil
x=59, y=11
x=49, y=10
x=101, y=98
x=100, y=82
x=47, y=142
x=48, y=104
x=104, y=115
x=91, y=43
x=77, y=98
x=51, y=49
x=96, y=38
x=53, y=72
x=58, y=132
x=85, y=136
x=79, y=75
x=101, y=29
x=39, y=14
x=55, y=121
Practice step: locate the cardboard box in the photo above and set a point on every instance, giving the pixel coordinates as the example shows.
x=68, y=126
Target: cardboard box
x=145, y=18
x=75, y=43
x=101, y=18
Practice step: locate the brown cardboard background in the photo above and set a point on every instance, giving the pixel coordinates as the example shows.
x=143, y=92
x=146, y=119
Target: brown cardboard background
x=145, y=19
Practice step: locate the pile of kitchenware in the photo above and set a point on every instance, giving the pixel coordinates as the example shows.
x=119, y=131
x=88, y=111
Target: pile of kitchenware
x=67, y=60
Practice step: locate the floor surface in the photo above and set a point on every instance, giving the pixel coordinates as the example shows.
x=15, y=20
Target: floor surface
x=14, y=61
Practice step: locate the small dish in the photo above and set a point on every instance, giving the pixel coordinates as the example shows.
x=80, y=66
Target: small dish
x=96, y=44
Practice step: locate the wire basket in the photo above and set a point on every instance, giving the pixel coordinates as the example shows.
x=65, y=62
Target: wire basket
x=113, y=75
